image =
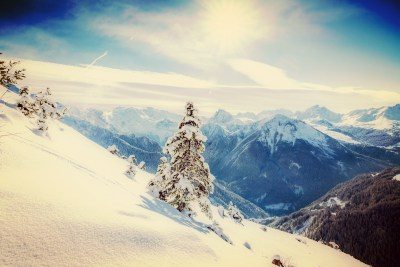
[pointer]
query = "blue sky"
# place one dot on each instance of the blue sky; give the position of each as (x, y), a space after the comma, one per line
(239, 55)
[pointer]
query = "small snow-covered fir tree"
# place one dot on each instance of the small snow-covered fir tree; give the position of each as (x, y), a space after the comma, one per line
(160, 179)
(132, 160)
(235, 213)
(25, 103)
(142, 165)
(113, 149)
(9, 75)
(40, 105)
(131, 171)
(45, 108)
(190, 182)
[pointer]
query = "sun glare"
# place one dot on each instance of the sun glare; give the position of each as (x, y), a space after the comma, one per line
(230, 25)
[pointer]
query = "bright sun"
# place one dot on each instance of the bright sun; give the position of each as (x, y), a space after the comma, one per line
(229, 25)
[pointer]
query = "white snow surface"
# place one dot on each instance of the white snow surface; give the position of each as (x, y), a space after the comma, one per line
(65, 201)
(377, 119)
(396, 177)
(333, 134)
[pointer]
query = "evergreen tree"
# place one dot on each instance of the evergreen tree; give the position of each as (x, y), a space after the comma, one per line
(142, 165)
(132, 159)
(160, 179)
(25, 103)
(235, 213)
(131, 171)
(113, 149)
(190, 182)
(40, 105)
(45, 108)
(9, 75)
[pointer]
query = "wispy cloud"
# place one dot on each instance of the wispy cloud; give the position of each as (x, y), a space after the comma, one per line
(102, 86)
(272, 77)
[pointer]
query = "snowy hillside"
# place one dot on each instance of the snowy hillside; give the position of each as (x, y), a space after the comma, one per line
(66, 201)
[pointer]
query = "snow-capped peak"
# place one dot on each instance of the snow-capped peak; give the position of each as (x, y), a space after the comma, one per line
(283, 129)
(221, 116)
(318, 112)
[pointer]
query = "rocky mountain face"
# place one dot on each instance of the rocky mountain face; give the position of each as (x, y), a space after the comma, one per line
(371, 200)
(283, 164)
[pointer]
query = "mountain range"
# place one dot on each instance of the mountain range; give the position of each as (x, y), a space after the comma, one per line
(278, 160)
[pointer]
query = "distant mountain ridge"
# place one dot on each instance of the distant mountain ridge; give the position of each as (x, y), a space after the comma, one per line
(283, 164)
(279, 163)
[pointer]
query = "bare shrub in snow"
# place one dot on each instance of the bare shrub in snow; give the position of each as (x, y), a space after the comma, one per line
(190, 182)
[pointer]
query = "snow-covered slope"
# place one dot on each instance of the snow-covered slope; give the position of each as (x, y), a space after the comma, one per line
(384, 118)
(65, 201)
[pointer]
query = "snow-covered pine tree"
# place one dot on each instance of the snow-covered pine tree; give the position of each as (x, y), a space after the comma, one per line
(142, 165)
(9, 75)
(190, 183)
(44, 109)
(25, 103)
(235, 213)
(41, 105)
(132, 160)
(113, 149)
(160, 179)
(131, 171)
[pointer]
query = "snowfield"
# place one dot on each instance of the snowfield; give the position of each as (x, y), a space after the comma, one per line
(65, 201)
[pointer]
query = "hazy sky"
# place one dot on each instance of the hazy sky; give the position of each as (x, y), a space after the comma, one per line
(238, 55)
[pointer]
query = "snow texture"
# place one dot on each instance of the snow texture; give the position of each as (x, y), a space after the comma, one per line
(65, 201)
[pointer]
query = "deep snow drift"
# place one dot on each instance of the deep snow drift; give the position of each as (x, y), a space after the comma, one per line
(64, 200)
